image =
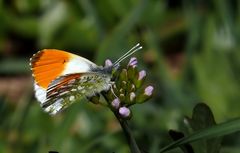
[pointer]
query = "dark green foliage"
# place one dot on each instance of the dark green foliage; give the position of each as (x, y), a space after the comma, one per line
(207, 139)
(176, 135)
(202, 118)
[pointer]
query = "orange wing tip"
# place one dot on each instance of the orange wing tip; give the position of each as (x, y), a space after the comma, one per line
(48, 64)
(34, 56)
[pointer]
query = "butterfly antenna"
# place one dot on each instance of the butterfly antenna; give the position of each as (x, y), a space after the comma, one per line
(127, 54)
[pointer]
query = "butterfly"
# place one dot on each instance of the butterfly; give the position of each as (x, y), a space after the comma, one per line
(61, 77)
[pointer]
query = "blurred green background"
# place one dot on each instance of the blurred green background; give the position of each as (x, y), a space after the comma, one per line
(190, 52)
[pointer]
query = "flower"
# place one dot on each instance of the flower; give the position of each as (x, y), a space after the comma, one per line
(126, 89)
(133, 87)
(145, 95)
(132, 96)
(123, 75)
(133, 62)
(115, 103)
(148, 90)
(108, 63)
(124, 112)
(140, 78)
(122, 97)
(141, 74)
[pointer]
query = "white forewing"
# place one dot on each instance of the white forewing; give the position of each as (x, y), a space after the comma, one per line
(78, 64)
(40, 93)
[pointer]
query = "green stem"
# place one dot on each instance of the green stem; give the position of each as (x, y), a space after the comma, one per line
(126, 130)
(129, 135)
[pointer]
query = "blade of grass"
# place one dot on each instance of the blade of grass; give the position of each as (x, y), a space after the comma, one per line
(214, 131)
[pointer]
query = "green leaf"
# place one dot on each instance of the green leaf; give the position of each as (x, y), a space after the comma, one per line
(176, 135)
(207, 133)
(205, 129)
(202, 117)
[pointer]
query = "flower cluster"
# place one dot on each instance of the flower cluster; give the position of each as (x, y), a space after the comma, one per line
(127, 89)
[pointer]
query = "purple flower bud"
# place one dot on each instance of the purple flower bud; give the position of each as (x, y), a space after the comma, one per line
(141, 75)
(148, 91)
(124, 112)
(132, 96)
(108, 63)
(116, 103)
(133, 62)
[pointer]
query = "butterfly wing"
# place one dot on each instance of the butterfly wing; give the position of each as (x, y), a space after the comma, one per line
(48, 64)
(64, 90)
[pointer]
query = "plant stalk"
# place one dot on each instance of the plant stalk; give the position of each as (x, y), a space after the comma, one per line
(128, 134)
(126, 130)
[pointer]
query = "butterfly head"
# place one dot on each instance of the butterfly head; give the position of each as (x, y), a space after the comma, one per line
(105, 70)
